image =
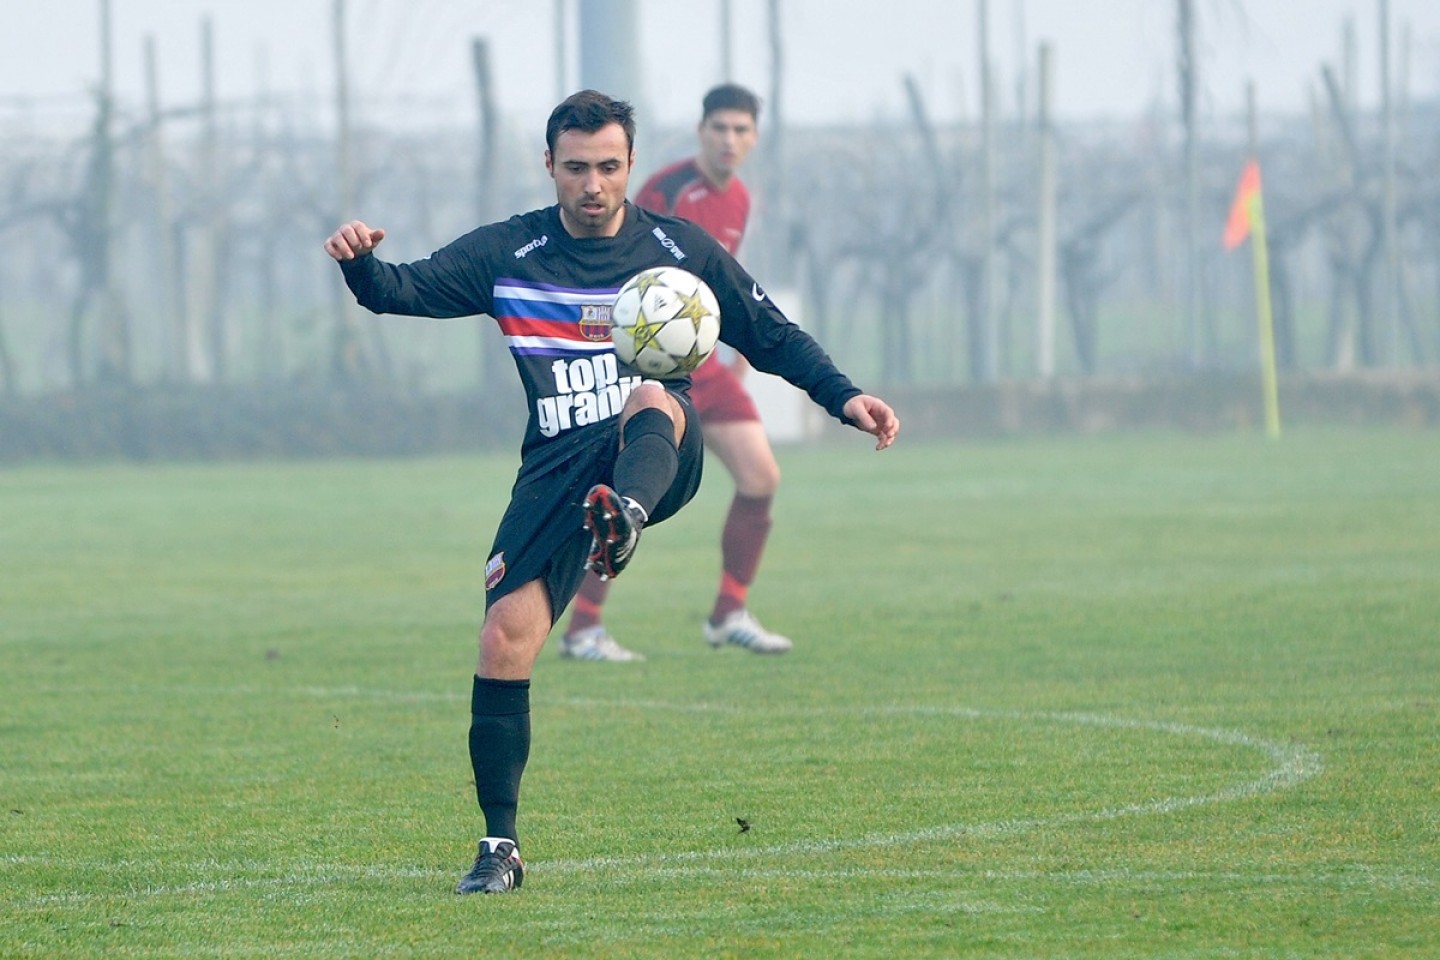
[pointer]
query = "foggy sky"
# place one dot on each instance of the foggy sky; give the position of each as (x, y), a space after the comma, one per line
(844, 61)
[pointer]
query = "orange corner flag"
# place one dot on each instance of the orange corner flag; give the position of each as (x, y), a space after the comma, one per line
(1237, 228)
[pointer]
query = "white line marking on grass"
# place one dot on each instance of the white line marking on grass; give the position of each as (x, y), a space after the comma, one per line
(1293, 764)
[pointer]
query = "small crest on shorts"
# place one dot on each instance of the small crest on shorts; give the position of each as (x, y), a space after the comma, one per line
(595, 321)
(494, 570)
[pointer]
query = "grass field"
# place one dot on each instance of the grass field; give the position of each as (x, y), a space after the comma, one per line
(1141, 696)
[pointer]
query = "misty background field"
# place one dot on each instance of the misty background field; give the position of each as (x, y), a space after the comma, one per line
(984, 217)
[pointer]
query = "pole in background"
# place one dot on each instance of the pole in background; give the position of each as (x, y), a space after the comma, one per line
(727, 43)
(1390, 299)
(347, 356)
(1187, 78)
(114, 327)
(486, 129)
(209, 311)
(610, 55)
(172, 320)
(608, 45)
(1045, 335)
(989, 366)
(562, 55)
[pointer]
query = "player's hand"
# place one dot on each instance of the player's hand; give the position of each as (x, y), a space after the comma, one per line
(352, 240)
(875, 417)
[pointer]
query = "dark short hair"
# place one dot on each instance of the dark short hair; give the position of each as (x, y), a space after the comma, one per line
(731, 96)
(588, 111)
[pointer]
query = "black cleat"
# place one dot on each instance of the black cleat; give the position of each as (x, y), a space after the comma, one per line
(498, 868)
(614, 524)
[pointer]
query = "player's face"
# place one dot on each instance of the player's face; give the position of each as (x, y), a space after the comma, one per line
(592, 173)
(726, 139)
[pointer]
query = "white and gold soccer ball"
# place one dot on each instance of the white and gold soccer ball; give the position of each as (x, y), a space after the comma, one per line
(665, 322)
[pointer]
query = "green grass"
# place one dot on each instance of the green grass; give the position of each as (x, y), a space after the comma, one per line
(1143, 696)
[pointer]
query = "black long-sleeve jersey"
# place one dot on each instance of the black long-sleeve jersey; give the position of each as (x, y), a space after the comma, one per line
(551, 295)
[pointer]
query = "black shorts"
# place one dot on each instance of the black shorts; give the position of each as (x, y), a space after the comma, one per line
(542, 534)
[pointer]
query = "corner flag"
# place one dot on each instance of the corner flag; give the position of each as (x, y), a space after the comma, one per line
(1247, 219)
(1237, 227)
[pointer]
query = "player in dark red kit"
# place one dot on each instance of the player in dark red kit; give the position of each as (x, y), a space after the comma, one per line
(705, 190)
(606, 452)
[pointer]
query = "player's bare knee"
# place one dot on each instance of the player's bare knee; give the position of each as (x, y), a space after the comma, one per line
(752, 463)
(757, 480)
(650, 395)
(505, 655)
(767, 482)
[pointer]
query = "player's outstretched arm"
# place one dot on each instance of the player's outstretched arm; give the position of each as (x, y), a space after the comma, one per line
(874, 416)
(353, 239)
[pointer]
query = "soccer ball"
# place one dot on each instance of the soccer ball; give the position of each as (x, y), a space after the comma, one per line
(666, 321)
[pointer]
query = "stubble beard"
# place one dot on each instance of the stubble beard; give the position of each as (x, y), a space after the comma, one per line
(592, 224)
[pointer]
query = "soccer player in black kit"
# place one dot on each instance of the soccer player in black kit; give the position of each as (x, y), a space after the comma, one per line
(605, 452)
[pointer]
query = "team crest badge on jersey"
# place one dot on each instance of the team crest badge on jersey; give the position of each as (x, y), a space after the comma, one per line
(595, 321)
(495, 570)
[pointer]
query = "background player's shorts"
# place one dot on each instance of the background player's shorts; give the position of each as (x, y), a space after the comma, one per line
(542, 534)
(718, 394)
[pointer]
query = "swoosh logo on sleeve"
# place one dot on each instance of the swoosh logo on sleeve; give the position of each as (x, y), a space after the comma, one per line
(757, 293)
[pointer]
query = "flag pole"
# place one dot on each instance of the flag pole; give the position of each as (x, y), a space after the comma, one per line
(1260, 247)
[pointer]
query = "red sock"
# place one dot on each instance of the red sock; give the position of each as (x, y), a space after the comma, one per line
(747, 527)
(588, 603)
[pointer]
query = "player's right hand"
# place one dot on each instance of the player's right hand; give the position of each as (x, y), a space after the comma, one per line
(352, 240)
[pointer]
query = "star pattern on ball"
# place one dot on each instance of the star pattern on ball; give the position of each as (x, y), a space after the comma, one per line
(644, 332)
(692, 308)
(646, 280)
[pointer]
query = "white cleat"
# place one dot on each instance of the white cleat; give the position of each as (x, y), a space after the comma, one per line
(595, 643)
(743, 630)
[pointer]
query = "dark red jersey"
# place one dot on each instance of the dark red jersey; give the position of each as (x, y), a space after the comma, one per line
(681, 190)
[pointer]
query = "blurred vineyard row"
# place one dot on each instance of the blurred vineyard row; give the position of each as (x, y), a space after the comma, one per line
(151, 248)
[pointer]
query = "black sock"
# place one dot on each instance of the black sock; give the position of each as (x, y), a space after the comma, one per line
(649, 460)
(499, 747)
